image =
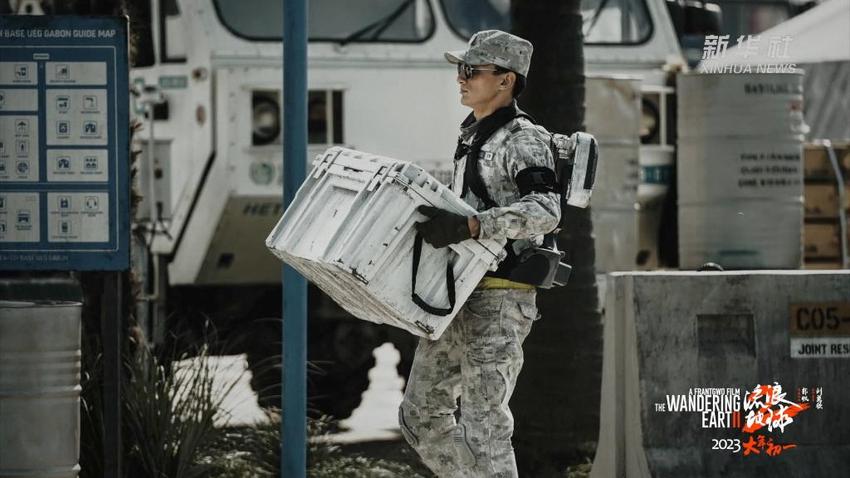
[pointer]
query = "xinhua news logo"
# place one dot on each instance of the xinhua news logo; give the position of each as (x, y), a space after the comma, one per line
(750, 54)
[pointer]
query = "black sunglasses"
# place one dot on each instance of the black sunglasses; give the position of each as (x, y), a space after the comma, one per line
(467, 71)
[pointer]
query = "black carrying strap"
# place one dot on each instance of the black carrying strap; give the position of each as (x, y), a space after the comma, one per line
(472, 180)
(450, 282)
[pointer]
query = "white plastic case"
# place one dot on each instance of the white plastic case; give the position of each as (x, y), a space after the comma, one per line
(350, 230)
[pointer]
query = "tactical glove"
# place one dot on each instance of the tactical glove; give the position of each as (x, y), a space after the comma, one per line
(443, 227)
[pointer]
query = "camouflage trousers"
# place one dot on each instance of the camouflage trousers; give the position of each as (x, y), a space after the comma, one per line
(477, 359)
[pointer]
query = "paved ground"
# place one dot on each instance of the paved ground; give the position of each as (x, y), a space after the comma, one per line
(375, 419)
(371, 431)
(373, 427)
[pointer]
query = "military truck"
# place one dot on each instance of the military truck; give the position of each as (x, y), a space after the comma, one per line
(207, 89)
(207, 82)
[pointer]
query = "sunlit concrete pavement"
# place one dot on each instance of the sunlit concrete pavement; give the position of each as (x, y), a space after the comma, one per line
(374, 420)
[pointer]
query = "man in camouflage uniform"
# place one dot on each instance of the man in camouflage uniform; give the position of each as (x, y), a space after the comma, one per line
(479, 356)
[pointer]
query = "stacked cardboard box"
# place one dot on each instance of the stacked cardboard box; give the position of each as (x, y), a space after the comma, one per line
(822, 230)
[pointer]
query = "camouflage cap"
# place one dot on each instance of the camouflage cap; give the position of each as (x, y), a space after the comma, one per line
(496, 47)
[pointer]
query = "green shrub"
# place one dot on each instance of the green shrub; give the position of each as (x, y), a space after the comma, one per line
(169, 428)
(167, 412)
(169, 416)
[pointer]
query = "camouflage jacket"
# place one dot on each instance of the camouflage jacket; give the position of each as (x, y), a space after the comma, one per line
(516, 146)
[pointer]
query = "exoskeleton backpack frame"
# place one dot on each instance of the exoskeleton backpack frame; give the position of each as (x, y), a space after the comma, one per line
(575, 158)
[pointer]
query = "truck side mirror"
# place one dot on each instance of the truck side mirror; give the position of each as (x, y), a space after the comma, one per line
(695, 18)
(677, 16)
(702, 18)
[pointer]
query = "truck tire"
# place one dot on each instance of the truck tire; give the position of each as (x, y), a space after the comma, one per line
(263, 351)
(339, 355)
(338, 391)
(406, 344)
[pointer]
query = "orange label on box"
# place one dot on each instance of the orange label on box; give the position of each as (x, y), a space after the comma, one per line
(820, 319)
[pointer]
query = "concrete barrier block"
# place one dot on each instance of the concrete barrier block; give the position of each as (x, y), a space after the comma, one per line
(673, 335)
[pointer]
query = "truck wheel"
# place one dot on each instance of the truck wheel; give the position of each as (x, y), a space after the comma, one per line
(340, 354)
(263, 350)
(339, 357)
(406, 345)
(337, 390)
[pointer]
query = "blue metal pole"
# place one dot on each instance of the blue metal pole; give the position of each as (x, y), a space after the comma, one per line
(294, 413)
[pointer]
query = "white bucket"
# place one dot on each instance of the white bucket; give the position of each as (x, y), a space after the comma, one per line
(740, 177)
(615, 233)
(613, 117)
(617, 175)
(656, 175)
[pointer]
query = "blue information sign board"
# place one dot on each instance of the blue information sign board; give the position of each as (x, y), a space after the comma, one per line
(64, 151)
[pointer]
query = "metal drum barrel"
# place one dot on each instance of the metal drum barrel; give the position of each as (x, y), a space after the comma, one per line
(740, 175)
(613, 117)
(39, 389)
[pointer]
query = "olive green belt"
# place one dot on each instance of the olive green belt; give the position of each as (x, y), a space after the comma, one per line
(499, 283)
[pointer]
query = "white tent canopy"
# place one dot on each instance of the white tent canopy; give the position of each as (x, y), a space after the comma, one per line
(819, 35)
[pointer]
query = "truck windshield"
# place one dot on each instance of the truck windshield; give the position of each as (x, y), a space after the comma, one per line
(333, 20)
(615, 22)
(752, 17)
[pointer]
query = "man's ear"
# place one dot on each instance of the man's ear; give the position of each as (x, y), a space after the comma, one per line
(509, 79)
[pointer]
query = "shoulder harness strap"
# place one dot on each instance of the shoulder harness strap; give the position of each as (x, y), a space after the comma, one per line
(471, 176)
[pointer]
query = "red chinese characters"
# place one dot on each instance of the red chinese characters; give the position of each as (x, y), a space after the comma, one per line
(755, 446)
(766, 406)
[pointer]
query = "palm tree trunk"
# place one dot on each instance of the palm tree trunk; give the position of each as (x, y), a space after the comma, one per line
(556, 404)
